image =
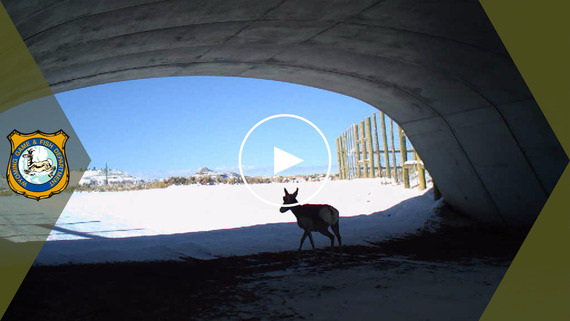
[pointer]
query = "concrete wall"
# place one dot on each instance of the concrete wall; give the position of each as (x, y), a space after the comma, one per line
(438, 68)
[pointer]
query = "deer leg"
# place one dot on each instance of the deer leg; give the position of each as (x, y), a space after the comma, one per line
(331, 237)
(302, 240)
(311, 239)
(312, 243)
(301, 245)
(336, 232)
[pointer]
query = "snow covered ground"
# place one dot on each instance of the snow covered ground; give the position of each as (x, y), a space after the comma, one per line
(209, 221)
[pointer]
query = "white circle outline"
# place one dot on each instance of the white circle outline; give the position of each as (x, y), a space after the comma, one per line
(281, 116)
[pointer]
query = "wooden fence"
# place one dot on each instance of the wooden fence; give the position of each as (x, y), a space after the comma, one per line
(361, 155)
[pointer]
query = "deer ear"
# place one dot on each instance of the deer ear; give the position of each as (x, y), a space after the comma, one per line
(286, 193)
(296, 191)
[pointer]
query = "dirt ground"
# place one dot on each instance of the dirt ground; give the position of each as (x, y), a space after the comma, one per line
(449, 274)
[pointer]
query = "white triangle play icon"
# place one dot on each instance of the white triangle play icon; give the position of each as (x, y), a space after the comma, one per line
(283, 160)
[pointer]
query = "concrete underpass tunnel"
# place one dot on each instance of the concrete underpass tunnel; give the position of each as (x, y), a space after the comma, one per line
(438, 69)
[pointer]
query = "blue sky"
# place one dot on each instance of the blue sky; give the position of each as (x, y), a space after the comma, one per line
(173, 126)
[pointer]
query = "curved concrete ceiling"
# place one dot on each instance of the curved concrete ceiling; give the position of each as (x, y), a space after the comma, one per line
(438, 68)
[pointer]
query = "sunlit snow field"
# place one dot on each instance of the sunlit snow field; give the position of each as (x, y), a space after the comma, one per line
(208, 221)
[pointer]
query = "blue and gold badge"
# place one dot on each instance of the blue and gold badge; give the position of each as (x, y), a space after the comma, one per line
(38, 167)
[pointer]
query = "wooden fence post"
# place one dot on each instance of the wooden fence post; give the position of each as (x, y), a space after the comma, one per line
(404, 157)
(363, 149)
(369, 148)
(345, 150)
(356, 150)
(385, 144)
(377, 145)
(393, 151)
(421, 171)
(341, 166)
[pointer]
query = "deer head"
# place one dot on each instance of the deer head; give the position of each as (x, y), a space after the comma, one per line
(29, 154)
(289, 199)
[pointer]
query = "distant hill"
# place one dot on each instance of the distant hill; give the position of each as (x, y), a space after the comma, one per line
(205, 171)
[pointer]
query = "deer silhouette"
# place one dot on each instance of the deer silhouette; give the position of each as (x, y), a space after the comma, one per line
(314, 217)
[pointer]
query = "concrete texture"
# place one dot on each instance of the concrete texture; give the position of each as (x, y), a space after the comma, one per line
(438, 68)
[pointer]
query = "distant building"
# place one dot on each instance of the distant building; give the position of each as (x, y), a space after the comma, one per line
(98, 177)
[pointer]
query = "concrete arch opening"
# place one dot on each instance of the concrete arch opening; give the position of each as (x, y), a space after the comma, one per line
(437, 68)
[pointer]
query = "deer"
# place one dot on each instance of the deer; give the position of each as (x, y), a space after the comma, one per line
(313, 217)
(38, 167)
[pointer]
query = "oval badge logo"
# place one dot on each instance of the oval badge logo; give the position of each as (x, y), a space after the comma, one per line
(38, 167)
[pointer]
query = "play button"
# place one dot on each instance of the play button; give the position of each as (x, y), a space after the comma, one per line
(283, 160)
(259, 158)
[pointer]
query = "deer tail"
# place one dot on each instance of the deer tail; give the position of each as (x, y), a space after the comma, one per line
(334, 215)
